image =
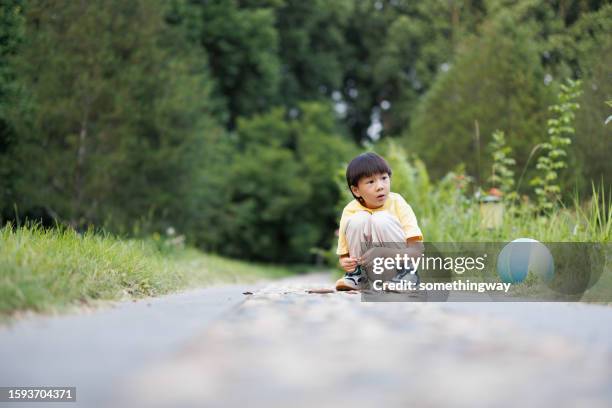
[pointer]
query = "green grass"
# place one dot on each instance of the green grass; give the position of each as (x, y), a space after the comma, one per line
(448, 210)
(457, 219)
(53, 269)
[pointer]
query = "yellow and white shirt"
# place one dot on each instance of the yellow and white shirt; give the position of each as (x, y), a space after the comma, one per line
(395, 204)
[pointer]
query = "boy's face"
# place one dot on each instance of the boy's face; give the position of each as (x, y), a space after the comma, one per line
(373, 189)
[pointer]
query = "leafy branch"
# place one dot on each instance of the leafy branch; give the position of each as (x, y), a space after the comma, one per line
(502, 175)
(553, 159)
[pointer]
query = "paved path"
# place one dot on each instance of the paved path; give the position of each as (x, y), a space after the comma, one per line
(95, 349)
(283, 346)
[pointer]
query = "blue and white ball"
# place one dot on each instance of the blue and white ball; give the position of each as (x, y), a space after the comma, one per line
(522, 256)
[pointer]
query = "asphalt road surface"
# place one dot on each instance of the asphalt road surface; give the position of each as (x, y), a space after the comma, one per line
(284, 346)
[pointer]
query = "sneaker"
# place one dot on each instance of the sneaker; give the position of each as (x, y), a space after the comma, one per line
(409, 275)
(355, 280)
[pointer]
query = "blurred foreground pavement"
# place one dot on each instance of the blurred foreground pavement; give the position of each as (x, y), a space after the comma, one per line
(282, 346)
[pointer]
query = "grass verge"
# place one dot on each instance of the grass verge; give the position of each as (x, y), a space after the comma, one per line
(47, 270)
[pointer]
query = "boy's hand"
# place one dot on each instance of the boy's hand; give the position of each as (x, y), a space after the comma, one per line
(348, 264)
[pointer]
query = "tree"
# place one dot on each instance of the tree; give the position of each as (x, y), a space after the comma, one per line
(589, 44)
(242, 44)
(281, 190)
(11, 36)
(419, 44)
(120, 121)
(496, 81)
(313, 49)
(397, 49)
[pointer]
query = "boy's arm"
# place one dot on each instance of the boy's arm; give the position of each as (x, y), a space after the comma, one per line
(408, 221)
(347, 263)
(415, 247)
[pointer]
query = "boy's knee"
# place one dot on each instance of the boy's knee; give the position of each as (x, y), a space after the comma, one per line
(359, 220)
(383, 218)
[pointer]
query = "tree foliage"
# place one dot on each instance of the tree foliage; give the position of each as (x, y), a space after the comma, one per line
(12, 24)
(496, 82)
(281, 192)
(229, 119)
(118, 121)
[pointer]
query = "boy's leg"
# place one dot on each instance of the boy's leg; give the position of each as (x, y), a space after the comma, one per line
(358, 233)
(387, 233)
(386, 229)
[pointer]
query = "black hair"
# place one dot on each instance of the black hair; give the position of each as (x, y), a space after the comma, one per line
(365, 165)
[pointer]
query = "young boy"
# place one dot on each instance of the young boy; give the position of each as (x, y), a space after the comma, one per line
(375, 216)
